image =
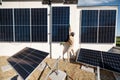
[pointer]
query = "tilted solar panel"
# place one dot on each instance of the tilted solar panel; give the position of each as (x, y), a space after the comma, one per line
(105, 60)
(25, 61)
(111, 61)
(91, 57)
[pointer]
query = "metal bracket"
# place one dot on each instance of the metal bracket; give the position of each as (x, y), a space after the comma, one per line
(98, 73)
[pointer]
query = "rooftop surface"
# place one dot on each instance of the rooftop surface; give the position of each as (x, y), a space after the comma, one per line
(72, 68)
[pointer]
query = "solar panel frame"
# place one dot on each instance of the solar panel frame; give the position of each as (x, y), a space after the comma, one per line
(25, 77)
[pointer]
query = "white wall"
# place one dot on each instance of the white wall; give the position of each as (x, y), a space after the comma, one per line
(8, 49)
(101, 47)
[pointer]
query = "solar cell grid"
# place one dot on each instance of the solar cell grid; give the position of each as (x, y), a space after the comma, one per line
(25, 61)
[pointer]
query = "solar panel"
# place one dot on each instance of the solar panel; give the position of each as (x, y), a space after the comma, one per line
(25, 61)
(6, 17)
(60, 22)
(105, 60)
(98, 26)
(91, 57)
(88, 34)
(106, 34)
(111, 61)
(89, 24)
(6, 25)
(22, 24)
(39, 24)
(107, 23)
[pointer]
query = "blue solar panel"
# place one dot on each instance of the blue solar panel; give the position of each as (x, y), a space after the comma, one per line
(6, 33)
(22, 33)
(107, 18)
(88, 34)
(60, 24)
(91, 57)
(6, 17)
(6, 25)
(39, 33)
(105, 60)
(61, 33)
(89, 24)
(89, 18)
(111, 61)
(106, 35)
(25, 61)
(39, 16)
(107, 23)
(39, 24)
(22, 16)
(98, 26)
(22, 24)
